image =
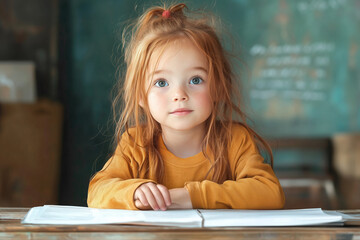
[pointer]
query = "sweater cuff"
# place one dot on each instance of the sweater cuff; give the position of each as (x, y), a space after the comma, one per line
(195, 194)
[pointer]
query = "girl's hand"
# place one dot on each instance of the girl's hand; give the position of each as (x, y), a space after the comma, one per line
(152, 196)
(180, 199)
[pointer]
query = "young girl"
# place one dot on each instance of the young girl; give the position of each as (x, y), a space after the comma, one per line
(180, 147)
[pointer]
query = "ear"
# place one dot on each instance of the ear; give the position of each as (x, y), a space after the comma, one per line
(141, 102)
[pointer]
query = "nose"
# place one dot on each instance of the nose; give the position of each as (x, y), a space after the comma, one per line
(180, 95)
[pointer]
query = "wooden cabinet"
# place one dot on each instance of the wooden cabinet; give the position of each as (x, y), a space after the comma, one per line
(30, 149)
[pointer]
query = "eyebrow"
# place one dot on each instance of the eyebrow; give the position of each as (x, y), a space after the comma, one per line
(189, 69)
(158, 72)
(199, 68)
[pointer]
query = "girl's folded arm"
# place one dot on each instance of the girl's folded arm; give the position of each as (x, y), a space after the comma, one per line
(253, 184)
(115, 184)
(255, 187)
(113, 192)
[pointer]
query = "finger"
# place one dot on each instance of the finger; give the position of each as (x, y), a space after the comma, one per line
(141, 197)
(165, 193)
(158, 196)
(147, 189)
(140, 206)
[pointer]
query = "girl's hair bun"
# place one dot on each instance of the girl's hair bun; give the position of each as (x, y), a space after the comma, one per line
(174, 11)
(166, 14)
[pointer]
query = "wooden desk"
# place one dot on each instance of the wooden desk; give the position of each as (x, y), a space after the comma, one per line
(11, 228)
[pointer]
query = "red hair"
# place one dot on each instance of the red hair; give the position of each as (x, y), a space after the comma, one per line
(154, 31)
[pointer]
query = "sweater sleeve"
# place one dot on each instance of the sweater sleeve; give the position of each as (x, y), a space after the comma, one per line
(254, 184)
(115, 184)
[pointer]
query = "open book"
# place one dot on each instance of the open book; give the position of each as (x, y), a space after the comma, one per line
(71, 215)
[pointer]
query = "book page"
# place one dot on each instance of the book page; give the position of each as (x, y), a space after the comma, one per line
(71, 215)
(267, 218)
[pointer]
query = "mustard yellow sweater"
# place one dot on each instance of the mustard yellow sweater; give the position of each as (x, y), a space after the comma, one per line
(253, 184)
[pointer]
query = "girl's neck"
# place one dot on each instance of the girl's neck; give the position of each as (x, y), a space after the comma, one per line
(184, 144)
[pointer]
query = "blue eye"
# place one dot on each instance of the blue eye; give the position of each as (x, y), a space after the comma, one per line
(196, 80)
(161, 83)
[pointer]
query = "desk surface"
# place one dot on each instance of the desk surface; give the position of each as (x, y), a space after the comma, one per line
(11, 228)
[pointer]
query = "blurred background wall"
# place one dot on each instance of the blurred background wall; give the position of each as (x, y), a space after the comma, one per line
(300, 78)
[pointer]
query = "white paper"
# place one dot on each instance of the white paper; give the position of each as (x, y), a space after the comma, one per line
(267, 218)
(71, 215)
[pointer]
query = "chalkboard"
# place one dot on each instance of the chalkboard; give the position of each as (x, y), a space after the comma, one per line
(302, 77)
(304, 58)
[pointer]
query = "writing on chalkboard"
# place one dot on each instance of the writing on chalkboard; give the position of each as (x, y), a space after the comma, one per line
(320, 5)
(291, 71)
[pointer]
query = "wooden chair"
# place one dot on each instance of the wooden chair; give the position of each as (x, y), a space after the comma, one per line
(305, 178)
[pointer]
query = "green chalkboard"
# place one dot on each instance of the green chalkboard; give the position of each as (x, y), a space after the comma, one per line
(304, 58)
(301, 78)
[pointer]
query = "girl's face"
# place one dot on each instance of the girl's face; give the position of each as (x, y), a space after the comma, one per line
(179, 96)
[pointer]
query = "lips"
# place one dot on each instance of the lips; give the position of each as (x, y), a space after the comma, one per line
(181, 111)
